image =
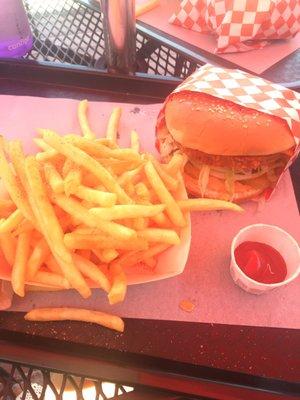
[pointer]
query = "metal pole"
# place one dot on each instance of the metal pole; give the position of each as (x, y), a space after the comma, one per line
(120, 35)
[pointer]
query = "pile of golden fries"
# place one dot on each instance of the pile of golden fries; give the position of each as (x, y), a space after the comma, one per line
(82, 209)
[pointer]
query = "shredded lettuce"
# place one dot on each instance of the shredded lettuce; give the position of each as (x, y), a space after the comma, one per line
(229, 182)
(203, 178)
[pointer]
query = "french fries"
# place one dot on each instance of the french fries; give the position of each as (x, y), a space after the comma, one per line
(38, 256)
(135, 142)
(19, 267)
(53, 178)
(158, 235)
(118, 289)
(176, 163)
(113, 123)
(207, 205)
(75, 314)
(11, 222)
(42, 145)
(99, 197)
(53, 265)
(13, 185)
(172, 208)
(52, 228)
(72, 181)
(91, 271)
(127, 211)
(96, 240)
(107, 255)
(83, 159)
(51, 279)
(73, 207)
(83, 120)
(8, 244)
(83, 211)
(134, 257)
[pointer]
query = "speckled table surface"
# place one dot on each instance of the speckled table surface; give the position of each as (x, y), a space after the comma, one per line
(265, 358)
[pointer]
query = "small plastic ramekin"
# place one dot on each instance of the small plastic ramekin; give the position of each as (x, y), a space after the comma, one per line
(275, 237)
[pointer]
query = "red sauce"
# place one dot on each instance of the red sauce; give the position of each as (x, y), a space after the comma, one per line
(260, 262)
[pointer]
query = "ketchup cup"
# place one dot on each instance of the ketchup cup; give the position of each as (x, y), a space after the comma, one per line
(275, 237)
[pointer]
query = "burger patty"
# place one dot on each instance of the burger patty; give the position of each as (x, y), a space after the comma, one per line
(237, 163)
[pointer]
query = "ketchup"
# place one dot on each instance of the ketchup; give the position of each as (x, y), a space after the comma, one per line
(261, 262)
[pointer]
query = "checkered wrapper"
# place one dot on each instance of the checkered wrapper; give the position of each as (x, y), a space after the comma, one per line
(248, 91)
(240, 25)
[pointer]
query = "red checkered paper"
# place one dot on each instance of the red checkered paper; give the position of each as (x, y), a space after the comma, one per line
(240, 25)
(248, 91)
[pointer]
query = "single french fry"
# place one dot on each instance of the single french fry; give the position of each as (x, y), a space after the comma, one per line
(116, 166)
(107, 255)
(18, 273)
(73, 207)
(91, 271)
(208, 205)
(118, 289)
(127, 211)
(68, 165)
(72, 181)
(107, 142)
(131, 176)
(53, 265)
(83, 159)
(11, 222)
(158, 235)
(17, 157)
(113, 124)
(8, 244)
(96, 240)
(170, 182)
(52, 229)
(160, 219)
(83, 120)
(13, 185)
(48, 155)
(41, 144)
(134, 257)
(104, 199)
(135, 141)
(145, 7)
(37, 258)
(99, 150)
(75, 314)
(176, 164)
(50, 279)
(54, 178)
(172, 209)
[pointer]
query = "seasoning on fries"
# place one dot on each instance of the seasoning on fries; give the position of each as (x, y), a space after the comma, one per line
(82, 211)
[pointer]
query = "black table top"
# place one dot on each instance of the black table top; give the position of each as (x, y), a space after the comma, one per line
(238, 354)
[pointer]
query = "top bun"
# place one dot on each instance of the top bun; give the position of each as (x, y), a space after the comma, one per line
(220, 127)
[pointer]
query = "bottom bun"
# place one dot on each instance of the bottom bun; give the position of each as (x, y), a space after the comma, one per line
(216, 188)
